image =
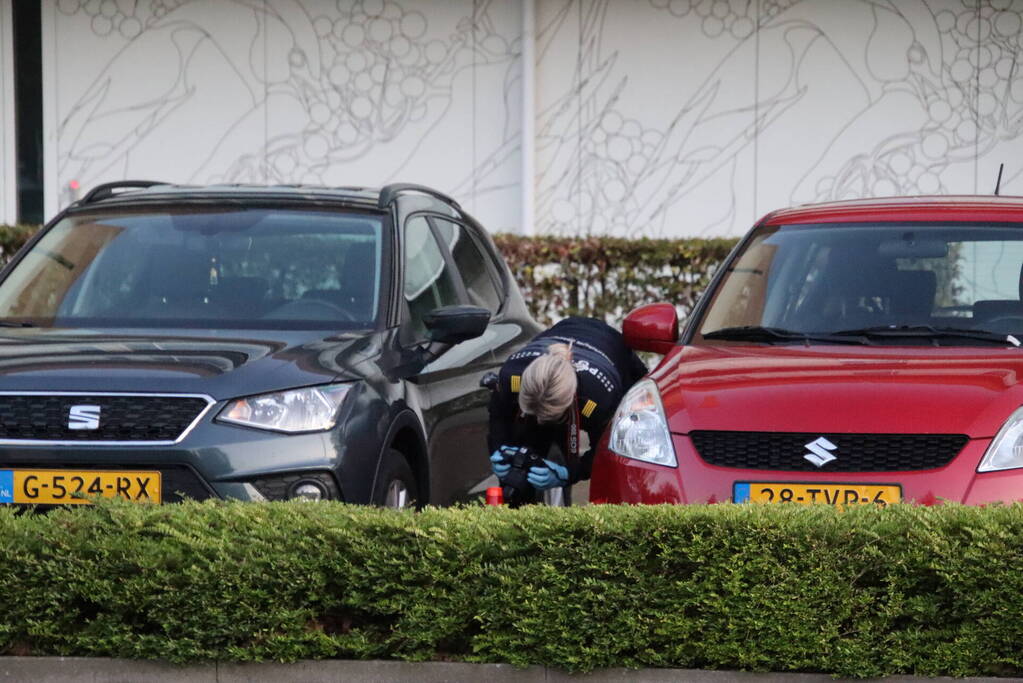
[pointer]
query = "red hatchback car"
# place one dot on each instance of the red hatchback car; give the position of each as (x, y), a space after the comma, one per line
(854, 352)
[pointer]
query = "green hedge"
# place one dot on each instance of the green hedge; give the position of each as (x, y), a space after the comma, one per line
(609, 276)
(866, 592)
(12, 237)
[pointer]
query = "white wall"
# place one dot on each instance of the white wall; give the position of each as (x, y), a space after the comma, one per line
(321, 91)
(652, 117)
(694, 117)
(8, 166)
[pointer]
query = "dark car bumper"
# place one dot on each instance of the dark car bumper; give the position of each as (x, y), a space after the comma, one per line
(213, 461)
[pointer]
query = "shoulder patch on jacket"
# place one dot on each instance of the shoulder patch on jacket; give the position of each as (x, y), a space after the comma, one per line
(588, 408)
(516, 382)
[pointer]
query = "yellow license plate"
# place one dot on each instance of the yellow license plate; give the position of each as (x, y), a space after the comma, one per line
(61, 487)
(807, 494)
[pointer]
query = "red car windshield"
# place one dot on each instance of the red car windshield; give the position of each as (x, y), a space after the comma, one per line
(911, 281)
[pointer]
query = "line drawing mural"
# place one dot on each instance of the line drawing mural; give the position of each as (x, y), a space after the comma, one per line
(346, 92)
(929, 100)
(654, 117)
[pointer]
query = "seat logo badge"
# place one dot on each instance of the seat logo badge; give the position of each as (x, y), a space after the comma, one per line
(820, 452)
(83, 417)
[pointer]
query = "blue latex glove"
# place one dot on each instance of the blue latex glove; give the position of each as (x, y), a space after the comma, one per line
(549, 477)
(498, 464)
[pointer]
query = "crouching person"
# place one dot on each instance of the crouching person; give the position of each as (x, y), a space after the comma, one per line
(566, 380)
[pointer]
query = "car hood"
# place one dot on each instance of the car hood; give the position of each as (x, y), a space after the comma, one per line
(221, 364)
(830, 389)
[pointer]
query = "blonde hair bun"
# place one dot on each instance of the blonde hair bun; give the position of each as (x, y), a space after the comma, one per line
(549, 384)
(560, 350)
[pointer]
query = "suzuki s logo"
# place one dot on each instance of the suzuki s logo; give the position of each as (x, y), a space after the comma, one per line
(820, 452)
(83, 417)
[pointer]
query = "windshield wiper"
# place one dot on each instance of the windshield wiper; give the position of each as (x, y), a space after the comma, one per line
(16, 323)
(771, 335)
(930, 332)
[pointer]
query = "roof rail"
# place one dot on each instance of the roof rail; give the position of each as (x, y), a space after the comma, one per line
(389, 192)
(107, 190)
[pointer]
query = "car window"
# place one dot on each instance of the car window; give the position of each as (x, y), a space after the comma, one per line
(839, 277)
(428, 279)
(472, 266)
(258, 268)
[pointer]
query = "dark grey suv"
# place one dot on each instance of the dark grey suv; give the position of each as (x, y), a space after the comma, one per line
(259, 343)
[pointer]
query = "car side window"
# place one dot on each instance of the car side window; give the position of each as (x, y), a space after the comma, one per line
(471, 262)
(429, 283)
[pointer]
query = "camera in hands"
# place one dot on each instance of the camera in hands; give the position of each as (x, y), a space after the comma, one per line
(517, 489)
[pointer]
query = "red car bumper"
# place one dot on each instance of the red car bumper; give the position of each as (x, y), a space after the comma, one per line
(622, 480)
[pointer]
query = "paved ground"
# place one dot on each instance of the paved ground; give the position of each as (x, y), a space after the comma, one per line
(100, 670)
(581, 493)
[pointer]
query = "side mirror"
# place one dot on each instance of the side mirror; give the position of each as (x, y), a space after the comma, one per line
(454, 324)
(653, 327)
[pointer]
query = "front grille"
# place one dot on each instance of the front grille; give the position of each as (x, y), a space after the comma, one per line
(853, 452)
(121, 417)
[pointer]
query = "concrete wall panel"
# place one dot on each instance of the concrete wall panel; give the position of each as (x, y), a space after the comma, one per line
(360, 92)
(652, 117)
(643, 136)
(885, 97)
(744, 107)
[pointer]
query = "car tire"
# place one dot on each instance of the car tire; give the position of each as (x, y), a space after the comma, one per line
(396, 485)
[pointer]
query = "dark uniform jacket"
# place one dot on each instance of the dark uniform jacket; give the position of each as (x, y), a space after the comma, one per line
(605, 369)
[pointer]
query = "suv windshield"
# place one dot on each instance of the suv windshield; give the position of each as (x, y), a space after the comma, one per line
(201, 268)
(879, 283)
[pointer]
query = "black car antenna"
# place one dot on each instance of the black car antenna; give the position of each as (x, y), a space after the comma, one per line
(998, 183)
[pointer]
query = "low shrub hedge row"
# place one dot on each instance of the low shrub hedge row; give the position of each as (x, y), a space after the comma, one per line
(865, 592)
(12, 238)
(609, 276)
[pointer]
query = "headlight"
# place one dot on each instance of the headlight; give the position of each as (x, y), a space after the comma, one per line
(313, 409)
(1006, 450)
(639, 429)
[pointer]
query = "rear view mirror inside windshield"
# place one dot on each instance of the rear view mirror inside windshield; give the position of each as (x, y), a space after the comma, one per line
(910, 246)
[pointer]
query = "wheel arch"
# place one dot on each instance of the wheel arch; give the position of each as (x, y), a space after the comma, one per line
(406, 436)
